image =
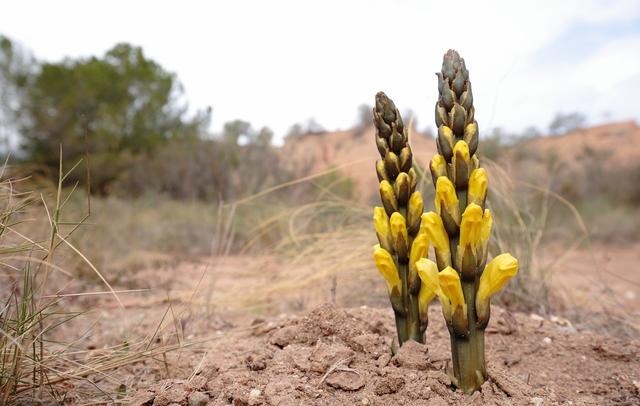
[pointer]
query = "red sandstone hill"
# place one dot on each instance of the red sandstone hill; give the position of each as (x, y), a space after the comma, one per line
(354, 151)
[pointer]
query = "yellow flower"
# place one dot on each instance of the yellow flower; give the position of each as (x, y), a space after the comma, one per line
(449, 282)
(419, 249)
(471, 227)
(425, 297)
(485, 233)
(428, 273)
(386, 266)
(432, 225)
(461, 151)
(496, 275)
(438, 166)
(414, 211)
(446, 197)
(478, 186)
(388, 197)
(461, 164)
(399, 237)
(381, 224)
(445, 141)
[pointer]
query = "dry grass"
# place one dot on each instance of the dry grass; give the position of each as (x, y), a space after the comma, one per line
(61, 325)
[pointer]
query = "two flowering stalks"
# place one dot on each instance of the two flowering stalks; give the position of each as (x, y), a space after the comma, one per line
(459, 229)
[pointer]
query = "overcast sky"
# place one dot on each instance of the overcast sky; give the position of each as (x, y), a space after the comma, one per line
(275, 63)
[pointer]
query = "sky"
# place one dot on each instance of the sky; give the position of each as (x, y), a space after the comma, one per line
(275, 63)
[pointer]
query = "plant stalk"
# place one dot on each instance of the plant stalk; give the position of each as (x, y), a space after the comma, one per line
(468, 351)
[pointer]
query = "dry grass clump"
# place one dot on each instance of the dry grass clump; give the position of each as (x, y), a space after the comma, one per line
(37, 361)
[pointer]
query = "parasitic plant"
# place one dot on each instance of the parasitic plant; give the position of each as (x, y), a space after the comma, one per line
(458, 230)
(397, 223)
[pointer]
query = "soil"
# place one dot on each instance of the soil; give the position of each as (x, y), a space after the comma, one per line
(336, 356)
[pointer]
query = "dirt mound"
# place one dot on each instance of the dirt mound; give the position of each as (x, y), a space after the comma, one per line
(342, 357)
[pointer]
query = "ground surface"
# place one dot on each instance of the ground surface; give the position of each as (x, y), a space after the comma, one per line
(225, 331)
(338, 357)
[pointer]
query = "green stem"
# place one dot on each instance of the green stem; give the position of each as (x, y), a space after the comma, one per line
(414, 329)
(401, 328)
(468, 351)
(408, 320)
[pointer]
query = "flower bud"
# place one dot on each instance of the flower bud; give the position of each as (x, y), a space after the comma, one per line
(452, 289)
(438, 167)
(392, 164)
(381, 171)
(471, 136)
(383, 146)
(441, 115)
(478, 187)
(381, 224)
(432, 226)
(413, 180)
(448, 97)
(414, 212)
(446, 203)
(419, 249)
(386, 267)
(402, 188)
(466, 99)
(458, 82)
(457, 119)
(406, 159)
(461, 164)
(388, 197)
(445, 142)
(399, 237)
(396, 141)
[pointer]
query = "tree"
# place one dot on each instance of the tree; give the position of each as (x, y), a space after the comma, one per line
(564, 123)
(15, 70)
(110, 108)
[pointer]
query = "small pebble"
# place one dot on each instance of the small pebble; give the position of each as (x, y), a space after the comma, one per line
(537, 401)
(546, 340)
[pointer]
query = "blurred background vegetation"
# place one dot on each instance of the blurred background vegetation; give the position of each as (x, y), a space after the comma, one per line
(122, 123)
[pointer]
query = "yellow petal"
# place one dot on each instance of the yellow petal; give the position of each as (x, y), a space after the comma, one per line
(452, 288)
(424, 298)
(485, 233)
(496, 275)
(478, 186)
(428, 273)
(399, 236)
(386, 266)
(461, 151)
(471, 226)
(419, 249)
(388, 197)
(438, 166)
(446, 197)
(414, 210)
(433, 227)
(381, 221)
